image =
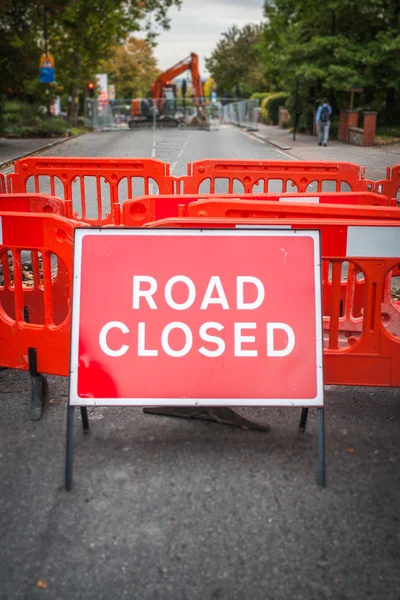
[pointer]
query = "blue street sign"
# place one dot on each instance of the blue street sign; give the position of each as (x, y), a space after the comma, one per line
(46, 75)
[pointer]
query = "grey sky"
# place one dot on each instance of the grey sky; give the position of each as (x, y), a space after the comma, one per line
(197, 26)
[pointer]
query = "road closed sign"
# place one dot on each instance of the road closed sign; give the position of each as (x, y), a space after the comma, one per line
(196, 318)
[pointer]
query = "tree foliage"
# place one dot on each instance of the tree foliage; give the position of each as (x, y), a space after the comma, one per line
(327, 48)
(81, 34)
(133, 68)
(236, 61)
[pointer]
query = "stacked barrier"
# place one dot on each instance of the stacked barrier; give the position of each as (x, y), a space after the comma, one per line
(256, 176)
(108, 181)
(360, 232)
(391, 185)
(3, 187)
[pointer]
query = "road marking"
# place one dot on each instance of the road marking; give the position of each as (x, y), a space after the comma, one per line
(284, 154)
(153, 152)
(253, 137)
(173, 166)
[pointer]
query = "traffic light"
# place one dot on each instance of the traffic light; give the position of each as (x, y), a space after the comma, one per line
(91, 89)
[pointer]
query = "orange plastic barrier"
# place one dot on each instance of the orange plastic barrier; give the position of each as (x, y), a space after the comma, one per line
(91, 188)
(35, 290)
(31, 203)
(361, 319)
(299, 210)
(144, 209)
(391, 185)
(140, 211)
(258, 176)
(3, 187)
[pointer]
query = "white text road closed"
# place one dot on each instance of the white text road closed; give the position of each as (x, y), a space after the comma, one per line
(197, 318)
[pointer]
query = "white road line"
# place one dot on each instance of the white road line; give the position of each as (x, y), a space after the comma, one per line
(284, 154)
(173, 166)
(253, 137)
(153, 152)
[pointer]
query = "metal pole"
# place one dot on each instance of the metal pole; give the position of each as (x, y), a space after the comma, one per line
(303, 419)
(70, 448)
(296, 101)
(321, 448)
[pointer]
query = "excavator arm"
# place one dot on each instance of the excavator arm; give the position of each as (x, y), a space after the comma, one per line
(191, 63)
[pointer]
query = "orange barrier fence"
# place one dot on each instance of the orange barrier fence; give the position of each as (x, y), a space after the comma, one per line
(3, 187)
(91, 188)
(35, 290)
(258, 176)
(142, 210)
(361, 318)
(391, 185)
(31, 203)
(138, 212)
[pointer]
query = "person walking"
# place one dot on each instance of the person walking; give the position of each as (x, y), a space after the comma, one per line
(323, 122)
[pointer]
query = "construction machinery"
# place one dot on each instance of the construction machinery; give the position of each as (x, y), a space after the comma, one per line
(161, 107)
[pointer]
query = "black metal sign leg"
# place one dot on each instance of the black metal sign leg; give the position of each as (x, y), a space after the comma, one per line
(85, 419)
(303, 419)
(39, 386)
(321, 448)
(70, 448)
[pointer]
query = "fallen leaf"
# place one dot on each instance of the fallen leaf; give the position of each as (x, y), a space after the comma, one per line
(51, 401)
(350, 449)
(156, 456)
(42, 585)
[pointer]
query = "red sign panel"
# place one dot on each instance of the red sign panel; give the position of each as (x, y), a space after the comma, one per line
(192, 317)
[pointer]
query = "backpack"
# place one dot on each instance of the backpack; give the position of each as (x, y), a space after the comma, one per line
(324, 116)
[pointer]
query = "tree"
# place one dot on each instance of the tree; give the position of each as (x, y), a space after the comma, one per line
(329, 47)
(236, 60)
(86, 33)
(21, 26)
(81, 33)
(133, 68)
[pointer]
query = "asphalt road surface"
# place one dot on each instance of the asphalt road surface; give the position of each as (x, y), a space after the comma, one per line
(176, 509)
(176, 146)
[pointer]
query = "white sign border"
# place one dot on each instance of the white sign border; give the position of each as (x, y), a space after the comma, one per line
(75, 400)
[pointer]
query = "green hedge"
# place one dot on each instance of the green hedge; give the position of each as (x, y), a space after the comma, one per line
(22, 120)
(270, 107)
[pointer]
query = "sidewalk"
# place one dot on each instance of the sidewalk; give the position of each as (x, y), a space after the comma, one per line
(375, 158)
(12, 149)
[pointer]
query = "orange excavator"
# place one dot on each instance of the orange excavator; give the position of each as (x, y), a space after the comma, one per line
(160, 107)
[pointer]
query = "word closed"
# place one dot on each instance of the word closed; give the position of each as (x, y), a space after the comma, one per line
(196, 317)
